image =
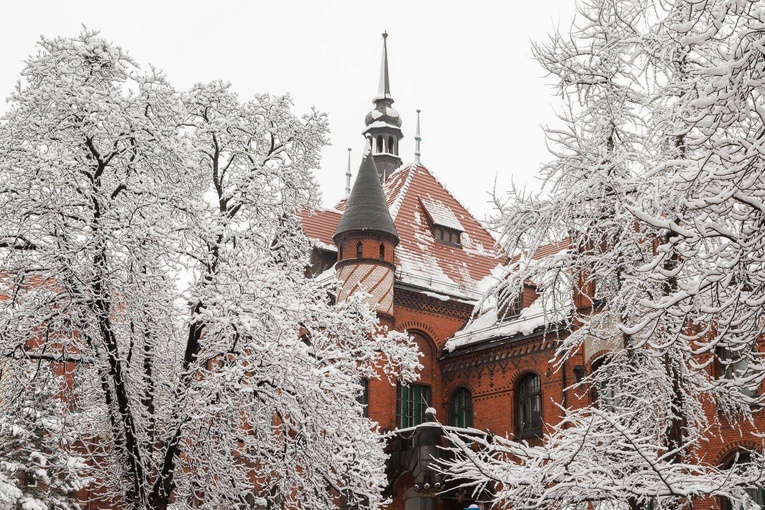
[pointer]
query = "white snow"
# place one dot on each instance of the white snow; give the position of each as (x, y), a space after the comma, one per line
(552, 306)
(437, 296)
(396, 205)
(324, 246)
(441, 215)
(326, 276)
(423, 270)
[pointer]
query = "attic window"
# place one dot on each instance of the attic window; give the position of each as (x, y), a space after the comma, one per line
(446, 235)
(510, 303)
(445, 226)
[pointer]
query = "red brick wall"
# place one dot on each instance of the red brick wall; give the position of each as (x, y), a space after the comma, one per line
(370, 243)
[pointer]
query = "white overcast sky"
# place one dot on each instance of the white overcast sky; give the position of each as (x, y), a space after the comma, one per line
(466, 65)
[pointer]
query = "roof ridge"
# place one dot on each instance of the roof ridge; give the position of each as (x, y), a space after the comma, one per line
(396, 205)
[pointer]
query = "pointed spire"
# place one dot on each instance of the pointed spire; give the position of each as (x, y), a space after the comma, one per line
(384, 123)
(417, 139)
(348, 175)
(367, 209)
(383, 91)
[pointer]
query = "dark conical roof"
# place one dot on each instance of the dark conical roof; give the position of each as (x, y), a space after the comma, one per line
(367, 208)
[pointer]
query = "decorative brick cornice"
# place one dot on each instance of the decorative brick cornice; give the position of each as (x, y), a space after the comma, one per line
(502, 360)
(426, 304)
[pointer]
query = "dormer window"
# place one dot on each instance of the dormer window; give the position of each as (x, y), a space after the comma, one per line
(445, 226)
(510, 303)
(446, 235)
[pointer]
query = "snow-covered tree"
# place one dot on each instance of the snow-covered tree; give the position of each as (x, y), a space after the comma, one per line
(150, 238)
(657, 184)
(39, 466)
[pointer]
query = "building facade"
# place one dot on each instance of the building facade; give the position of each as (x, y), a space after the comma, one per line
(425, 262)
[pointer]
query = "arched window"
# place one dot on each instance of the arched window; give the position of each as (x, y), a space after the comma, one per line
(740, 461)
(359, 250)
(382, 251)
(528, 406)
(462, 409)
(341, 253)
(363, 397)
(391, 146)
(606, 390)
(379, 143)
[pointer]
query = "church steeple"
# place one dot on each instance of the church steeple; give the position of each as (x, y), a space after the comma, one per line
(384, 123)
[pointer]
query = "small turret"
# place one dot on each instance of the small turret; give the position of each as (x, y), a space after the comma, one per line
(366, 238)
(384, 123)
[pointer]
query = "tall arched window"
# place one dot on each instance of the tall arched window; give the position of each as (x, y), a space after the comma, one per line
(528, 406)
(382, 251)
(462, 409)
(391, 146)
(379, 143)
(359, 250)
(363, 397)
(606, 388)
(341, 253)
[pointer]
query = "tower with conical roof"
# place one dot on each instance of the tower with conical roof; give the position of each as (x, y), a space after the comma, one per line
(383, 124)
(365, 238)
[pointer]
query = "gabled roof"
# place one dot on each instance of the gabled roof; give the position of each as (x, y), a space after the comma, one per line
(420, 260)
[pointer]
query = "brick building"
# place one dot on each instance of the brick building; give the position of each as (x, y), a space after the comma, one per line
(425, 261)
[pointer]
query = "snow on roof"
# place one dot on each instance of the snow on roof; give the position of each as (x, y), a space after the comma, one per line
(320, 224)
(326, 277)
(381, 123)
(421, 261)
(552, 306)
(400, 193)
(324, 246)
(488, 326)
(441, 215)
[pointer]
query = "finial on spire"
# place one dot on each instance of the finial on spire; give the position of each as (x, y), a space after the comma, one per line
(383, 92)
(383, 124)
(417, 139)
(348, 175)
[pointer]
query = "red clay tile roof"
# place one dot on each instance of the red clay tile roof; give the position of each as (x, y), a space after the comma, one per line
(320, 224)
(420, 259)
(547, 249)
